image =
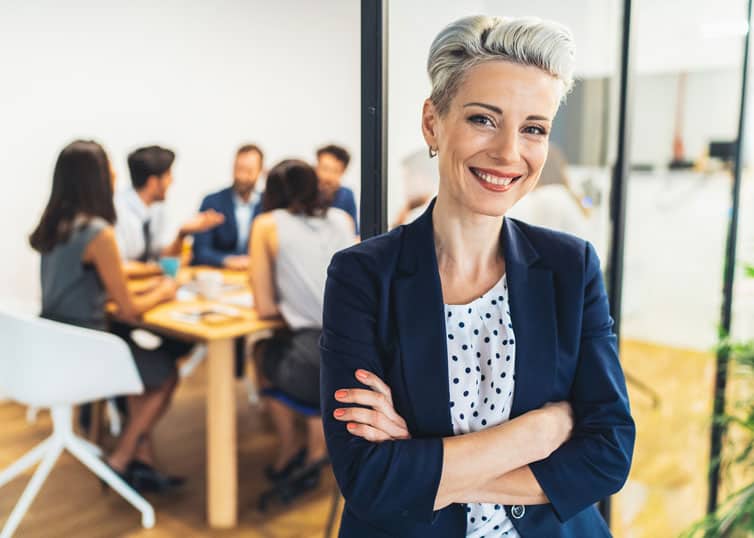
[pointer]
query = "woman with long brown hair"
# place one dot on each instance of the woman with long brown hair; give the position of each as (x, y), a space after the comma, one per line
(80, 269)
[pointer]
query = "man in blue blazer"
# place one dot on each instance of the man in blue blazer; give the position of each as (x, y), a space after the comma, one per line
(332, 162)
(384, 313)
(228, 244)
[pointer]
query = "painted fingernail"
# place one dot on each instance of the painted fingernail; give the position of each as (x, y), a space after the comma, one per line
(341, 394)
(361, 374)
(351, 426)
(339, 412)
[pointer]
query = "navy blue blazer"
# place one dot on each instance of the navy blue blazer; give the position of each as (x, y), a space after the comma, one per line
(211, 247)
(384, 312)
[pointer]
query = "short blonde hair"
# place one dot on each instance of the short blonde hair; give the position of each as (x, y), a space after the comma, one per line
(470, 41)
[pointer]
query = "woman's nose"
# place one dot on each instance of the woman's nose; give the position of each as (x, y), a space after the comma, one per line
(506, 146)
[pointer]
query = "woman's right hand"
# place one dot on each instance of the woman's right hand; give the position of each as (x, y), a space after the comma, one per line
(554, 423)
(375, 419)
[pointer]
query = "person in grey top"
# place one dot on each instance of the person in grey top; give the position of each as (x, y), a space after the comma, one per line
(71, 291)
(291, 246)
(80, 268)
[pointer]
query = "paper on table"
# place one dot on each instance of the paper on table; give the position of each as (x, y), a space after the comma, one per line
(216, 313)
(245, 300)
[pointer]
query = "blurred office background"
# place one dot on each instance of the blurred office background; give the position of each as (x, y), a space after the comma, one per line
(203, 77)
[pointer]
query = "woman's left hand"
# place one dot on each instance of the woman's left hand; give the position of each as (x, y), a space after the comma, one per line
(377, 421)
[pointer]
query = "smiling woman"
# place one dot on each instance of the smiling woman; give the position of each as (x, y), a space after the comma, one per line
(494, 135)
(470, 378)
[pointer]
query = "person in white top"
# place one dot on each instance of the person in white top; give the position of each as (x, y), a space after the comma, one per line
(291, 246)
(140, 228)
(141, 238)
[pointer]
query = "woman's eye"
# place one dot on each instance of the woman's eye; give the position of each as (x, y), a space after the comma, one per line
(535, 130)
(481, 120)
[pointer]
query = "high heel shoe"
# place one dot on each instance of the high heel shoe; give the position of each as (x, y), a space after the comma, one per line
(148, 479)
(297, 483)
(294, 463)
(125, 476)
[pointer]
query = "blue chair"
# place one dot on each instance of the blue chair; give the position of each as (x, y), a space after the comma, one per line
(290, 401)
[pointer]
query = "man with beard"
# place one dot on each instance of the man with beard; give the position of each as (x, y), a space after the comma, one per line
(228, 244)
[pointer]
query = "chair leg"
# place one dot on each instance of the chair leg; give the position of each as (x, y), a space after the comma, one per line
(113, 417)
(91, 447)
(54, 449)
(98, 467)
(24, 462)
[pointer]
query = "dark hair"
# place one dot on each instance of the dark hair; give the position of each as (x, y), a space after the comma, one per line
(338, 152)
(246, 148)
(292, 184)
(81, 185)
(148, 161)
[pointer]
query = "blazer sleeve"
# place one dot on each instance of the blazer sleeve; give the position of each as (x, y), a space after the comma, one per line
(204, 252)
(378, 480)
(595, 462)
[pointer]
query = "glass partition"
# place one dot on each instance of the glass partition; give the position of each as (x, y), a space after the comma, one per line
(685, 116)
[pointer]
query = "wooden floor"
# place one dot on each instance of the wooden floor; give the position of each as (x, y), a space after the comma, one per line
(71, 502)
(666, 490)
(667, 487)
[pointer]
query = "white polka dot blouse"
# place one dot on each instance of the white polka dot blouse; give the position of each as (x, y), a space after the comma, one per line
(481, 367)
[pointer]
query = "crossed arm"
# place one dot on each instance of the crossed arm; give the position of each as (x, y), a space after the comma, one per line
(532, 459)
(525, 439)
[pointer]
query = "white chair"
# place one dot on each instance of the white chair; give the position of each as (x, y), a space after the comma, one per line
(57, 366)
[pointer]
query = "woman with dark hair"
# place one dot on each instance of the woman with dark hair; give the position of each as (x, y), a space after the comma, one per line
(291, 245)
(80, 268)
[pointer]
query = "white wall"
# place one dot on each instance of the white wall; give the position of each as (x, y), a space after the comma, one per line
(710, 113)
(412, 26)
(199, 77)
(688, 35)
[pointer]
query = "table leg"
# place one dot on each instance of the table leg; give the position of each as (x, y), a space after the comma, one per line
(222, 468)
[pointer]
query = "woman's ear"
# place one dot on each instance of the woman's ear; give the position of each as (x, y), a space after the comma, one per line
(429, 123)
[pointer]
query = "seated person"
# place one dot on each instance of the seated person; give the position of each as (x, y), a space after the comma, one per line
(228, 245)
(332, 162)
(140, 228)
(81, 266)
(291, 246)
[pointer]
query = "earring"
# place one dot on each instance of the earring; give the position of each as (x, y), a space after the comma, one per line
(432, 152)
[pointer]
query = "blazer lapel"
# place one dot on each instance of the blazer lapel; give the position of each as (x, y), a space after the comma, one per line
(420, 317)
(532, 305)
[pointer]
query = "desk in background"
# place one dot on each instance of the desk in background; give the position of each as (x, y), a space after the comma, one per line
(222, 466)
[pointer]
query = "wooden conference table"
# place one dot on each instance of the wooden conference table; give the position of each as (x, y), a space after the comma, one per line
(219, 335)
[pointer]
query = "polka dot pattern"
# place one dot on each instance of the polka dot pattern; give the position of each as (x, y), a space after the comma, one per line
(481, 364)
